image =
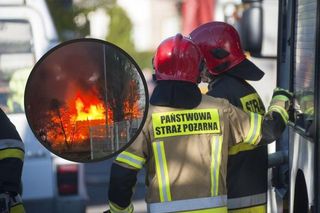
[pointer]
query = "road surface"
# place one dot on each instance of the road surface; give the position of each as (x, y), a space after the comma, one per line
(97, 180)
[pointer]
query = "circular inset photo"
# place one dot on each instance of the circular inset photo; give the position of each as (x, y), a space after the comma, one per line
(86, 100)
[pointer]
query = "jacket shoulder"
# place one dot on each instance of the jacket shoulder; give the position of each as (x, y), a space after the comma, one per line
(210, 101)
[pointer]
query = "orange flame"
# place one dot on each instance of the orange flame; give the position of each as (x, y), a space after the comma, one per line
(132, 110)
(89, 112)
(72, 121)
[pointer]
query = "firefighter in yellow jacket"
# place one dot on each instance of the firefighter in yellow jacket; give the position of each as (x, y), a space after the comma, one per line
(184, 142)
(11, 162)
(228, 72)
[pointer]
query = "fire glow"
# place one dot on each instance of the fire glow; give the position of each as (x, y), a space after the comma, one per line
(91, 112)
(72, 121)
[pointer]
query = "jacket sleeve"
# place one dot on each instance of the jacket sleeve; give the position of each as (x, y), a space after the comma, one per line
(124, 172)
(122, 182)
(244, 127)
(272, 127)
(250, 128)
(11, 156)
(277, 117)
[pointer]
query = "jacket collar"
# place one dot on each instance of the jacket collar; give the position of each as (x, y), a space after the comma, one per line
(176, 94)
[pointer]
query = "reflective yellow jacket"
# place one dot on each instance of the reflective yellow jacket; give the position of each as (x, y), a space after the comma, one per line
(185, 154)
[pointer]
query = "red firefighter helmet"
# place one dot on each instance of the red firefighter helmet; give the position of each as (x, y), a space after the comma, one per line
(220, 45)
(177, 58)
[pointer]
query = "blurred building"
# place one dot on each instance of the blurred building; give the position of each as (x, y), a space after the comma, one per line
(155, 20)
(152, 21)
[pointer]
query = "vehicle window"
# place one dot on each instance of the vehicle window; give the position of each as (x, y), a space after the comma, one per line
(16, 61)
(304, 63)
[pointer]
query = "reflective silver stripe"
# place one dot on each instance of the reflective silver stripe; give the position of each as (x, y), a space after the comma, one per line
(164, 185)
(255, 116)
(216, 158)
(252, 200)
(11, 143)
(116, 209)
(188, 205)
(255, 128)
(163, 178)
(131, 159)
(283, 113)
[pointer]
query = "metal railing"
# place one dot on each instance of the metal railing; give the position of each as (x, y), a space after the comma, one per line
(105, 140)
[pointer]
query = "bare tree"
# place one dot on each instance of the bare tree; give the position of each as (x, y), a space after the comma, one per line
(56, 106)
(120, 71)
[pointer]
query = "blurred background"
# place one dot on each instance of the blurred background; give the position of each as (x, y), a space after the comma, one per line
(139, 26)
(29, 28)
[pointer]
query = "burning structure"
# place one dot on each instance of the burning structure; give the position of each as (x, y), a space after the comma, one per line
(90, 100)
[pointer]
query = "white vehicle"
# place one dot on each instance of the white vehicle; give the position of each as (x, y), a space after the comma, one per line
(50, 184)
(298, 62)
(296, 176)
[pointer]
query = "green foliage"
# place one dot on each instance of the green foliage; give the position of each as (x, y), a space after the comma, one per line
(120, 29)
(120, 26)
(63, 15)
(143, 59)
(120, 34)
